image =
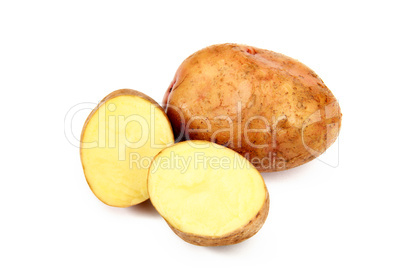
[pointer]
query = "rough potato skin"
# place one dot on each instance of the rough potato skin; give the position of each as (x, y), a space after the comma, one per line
(222, 92)
(237, 236)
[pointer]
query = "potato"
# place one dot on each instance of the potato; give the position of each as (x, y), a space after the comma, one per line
(208, 194)
(270, 108)
(118, 141)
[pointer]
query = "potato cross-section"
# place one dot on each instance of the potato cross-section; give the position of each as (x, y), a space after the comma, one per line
(208, 194)
(119, 139)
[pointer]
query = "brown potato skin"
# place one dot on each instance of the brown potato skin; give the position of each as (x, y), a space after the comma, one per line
(237, 236)
(300, 115)
(114, 94)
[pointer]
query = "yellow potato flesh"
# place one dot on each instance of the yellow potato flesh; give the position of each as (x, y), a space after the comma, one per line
(123, 129)
(212, 192)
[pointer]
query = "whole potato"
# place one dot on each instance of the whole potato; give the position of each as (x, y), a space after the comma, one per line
(270, 108)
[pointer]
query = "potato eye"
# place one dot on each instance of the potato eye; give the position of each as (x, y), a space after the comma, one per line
(251, 50)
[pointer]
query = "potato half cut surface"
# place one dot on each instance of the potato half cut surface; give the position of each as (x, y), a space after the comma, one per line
(208, 194)
(118, 142)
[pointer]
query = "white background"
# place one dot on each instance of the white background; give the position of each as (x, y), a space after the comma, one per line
(54, 55)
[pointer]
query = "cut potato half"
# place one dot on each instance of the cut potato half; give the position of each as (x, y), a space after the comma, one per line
(208, 194)
(118, 142)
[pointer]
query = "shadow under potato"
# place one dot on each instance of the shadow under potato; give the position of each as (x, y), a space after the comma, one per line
(145, 209)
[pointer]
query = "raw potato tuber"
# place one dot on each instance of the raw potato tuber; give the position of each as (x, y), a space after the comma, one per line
(126, 126)
(270, 108)
(208, 194)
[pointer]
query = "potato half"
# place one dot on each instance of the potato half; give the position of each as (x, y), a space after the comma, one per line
(270, 108)
(118, 141)
(208, 194)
